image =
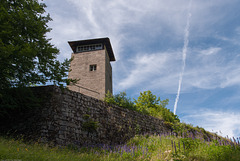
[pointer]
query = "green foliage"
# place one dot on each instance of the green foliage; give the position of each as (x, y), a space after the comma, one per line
(138, 148)
(189, 143)
(16, 105)
(109, 98)
(120, 99)
(182, 128)
(26, 56)
(147, 103)
(89, 125)
(185, 130)
(222, 153)
(147, 100)
(123, 100)
(168, 116)
(137, 128)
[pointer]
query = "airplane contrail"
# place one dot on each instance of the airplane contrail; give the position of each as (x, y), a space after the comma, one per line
(184, 55)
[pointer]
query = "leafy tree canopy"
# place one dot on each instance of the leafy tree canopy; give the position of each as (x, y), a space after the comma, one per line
(120, 99)
(150, 104)
(146, 103)
(149, 100)
(26, 55)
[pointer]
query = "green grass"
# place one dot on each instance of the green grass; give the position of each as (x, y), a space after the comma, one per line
(138, 148)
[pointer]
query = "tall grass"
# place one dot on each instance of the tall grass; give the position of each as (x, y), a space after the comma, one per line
(138, 148)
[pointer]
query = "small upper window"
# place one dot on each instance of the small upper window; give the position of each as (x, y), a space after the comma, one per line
(98, 46)
(89, 47)
(93, 67)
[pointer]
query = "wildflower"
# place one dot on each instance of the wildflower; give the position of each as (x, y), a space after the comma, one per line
(26, 149)
(17, 149)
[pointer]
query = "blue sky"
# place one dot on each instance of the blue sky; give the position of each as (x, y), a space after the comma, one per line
(148, 39)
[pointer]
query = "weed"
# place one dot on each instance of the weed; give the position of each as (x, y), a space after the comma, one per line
(140, 147)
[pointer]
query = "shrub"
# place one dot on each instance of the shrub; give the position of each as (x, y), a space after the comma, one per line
(16, 106)
(147, 103)
(151, 104)
(120, 99)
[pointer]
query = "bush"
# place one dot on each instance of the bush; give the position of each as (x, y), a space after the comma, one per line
(120, 99)
(16, 106)
(147, 103)
(151, 104)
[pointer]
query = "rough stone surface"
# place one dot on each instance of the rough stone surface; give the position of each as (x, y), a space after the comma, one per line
(91, 83)
(66, 113)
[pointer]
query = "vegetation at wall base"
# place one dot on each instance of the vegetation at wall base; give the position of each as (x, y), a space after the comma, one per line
(185, 142)
(16, 108)
(147, 148)
(89, 125)
(21, 111)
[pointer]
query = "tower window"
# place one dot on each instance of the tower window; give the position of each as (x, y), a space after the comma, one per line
(93, 67)
(89, 47)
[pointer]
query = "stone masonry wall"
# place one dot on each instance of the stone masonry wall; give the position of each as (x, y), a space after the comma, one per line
(69, 118)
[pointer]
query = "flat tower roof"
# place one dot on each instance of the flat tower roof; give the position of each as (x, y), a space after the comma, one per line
(105, 41)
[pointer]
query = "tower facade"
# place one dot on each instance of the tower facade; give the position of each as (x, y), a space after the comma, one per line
(91, 67)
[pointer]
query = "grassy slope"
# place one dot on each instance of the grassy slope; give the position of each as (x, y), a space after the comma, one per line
(138, 148)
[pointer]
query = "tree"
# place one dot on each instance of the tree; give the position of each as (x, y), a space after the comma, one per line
(147, 100)
(26, 55)
(151, 104)
(120, 99)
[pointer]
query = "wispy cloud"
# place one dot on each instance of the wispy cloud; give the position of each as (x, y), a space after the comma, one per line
(213, 71)
(210, 51)
(80, 19)
(231, 40)
(161, 71)
(223, 122)
(238, 30)
(136, 25)
(147, 40)
(145, 67)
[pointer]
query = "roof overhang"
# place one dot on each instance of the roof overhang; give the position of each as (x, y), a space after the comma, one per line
(104, 41)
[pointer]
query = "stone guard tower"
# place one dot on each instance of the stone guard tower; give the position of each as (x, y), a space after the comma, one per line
(91, 65)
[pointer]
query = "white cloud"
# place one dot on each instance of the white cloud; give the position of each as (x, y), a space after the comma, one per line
(231, 77)
(208, 70)
(126, 22)
(161, 71)
(136, 23)
(148, 69)
(232, 40)
(223, 122)
(238, 30)
(210, 51)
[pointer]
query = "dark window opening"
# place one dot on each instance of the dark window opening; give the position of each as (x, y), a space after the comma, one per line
(89, 47)
(93, 67)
